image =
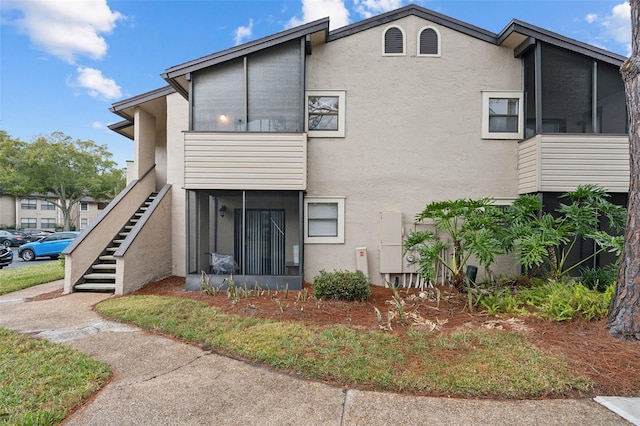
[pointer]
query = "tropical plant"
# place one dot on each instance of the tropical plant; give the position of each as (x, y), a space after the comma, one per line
(472, 228)
(546, 239)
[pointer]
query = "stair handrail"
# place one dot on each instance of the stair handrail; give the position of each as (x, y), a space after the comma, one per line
(112, 205)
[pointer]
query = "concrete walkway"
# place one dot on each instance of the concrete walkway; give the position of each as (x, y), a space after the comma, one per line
(158, 381)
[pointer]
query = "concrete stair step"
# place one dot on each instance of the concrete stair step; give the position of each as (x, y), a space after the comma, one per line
(100, 276)
(104, 266)
(107, 258)
(96, 287)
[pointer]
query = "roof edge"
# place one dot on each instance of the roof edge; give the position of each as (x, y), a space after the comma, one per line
(521, 27)
(243, 49)
(419, 11)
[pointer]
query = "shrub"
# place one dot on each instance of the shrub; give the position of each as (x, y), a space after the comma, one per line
(599, 278)
(344, 285)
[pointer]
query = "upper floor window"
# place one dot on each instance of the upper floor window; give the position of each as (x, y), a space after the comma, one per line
(47, 205)
(259, 92)
(502, 114)
(84, 207)
(428, 42)
(325, 113)
(393, 42)
(28, 204)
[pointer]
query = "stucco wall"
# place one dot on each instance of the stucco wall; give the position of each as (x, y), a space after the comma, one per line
(177, 122)
(413, 133)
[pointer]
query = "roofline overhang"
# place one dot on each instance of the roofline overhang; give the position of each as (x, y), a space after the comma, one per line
(414, 10)
(244, 49)
(537, 33)
(120, 126)
(120, 106)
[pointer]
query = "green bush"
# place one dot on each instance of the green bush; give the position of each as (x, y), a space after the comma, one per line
(343, 285)
(599, 278)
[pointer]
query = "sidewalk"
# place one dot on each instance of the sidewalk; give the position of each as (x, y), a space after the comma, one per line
(163, 382)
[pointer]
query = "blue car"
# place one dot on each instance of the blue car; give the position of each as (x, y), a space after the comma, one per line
(50, 246)
(6, 256)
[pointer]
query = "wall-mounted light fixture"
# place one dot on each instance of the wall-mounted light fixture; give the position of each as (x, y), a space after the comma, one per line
(222, 210)
(223, 118)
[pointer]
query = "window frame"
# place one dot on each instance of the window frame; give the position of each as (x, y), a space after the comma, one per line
(47, 205)
(502, 94)
(418, 45)
(28, 223)
(404, 41)
(340, 132)
(28, 204)
(45, 223)
(84, 207)
(339, 238)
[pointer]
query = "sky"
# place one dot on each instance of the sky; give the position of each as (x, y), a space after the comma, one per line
(63, 63)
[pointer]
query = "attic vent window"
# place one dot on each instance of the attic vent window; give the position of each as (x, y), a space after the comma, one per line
(428, 42)
(393, 42)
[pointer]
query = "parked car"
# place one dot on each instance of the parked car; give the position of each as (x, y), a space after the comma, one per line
(6, 256)
(50, 246)
(36, 234)
(11, 237)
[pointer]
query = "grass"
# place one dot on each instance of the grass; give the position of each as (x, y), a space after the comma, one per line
(42, 382)
(480, 363)
(15, 279)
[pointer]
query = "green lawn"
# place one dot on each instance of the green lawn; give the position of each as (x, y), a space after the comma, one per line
(42, 382)
(18, 278)
(479, 363)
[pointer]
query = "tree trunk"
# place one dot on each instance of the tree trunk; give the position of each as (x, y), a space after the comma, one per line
(624, 317)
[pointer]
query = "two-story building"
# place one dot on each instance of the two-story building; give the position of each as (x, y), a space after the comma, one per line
(42, 213)
(313, 149)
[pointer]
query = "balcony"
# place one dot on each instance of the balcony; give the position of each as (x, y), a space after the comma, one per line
(245, 161)
(560, 163)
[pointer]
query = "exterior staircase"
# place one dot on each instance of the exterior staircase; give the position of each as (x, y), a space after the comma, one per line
(101, 276)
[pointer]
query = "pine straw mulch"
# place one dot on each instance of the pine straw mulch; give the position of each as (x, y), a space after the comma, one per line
(612, 365)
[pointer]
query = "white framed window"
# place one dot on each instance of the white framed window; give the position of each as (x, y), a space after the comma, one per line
(325, 113)
(393, 41)
(48, 223)
(324, 220)
(429, 42)
(84, 207)
(502, 115)
(28, 204)
(28, 223)
(84, 222)
(47, 205)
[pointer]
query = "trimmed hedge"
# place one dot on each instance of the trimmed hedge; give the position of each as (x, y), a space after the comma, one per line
(343, 285)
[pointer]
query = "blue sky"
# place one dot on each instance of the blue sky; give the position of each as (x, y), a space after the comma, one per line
(64, 62)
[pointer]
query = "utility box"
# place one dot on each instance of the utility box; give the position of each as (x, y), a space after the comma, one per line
(390, 242)
(362, 264)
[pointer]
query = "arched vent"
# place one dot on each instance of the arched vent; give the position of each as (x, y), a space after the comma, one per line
(393, 41)
(429, 42)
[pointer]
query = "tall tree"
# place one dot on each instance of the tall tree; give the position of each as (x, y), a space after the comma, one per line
(59, 169)
(624, 318)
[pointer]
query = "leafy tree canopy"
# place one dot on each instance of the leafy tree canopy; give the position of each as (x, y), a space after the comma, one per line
(57, 166)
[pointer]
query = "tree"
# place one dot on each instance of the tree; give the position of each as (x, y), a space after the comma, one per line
(58, 169)
(624, 316)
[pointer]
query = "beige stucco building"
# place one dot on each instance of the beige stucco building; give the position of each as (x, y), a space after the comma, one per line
(313, 149)
(42, 213)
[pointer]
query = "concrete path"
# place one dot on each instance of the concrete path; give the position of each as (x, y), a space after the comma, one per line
(158, 381)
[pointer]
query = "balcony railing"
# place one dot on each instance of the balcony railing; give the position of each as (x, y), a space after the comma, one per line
(258, 161)
(560, 163)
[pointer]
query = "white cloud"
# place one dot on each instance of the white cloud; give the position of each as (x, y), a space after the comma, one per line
(316, 9)
(66, 29)
(616, 25)
(98, 125)
(96, 84)
(243, 33)
(369, 8)
(591, 18)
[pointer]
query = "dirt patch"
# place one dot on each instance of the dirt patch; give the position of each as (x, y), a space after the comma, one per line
(613, 365)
